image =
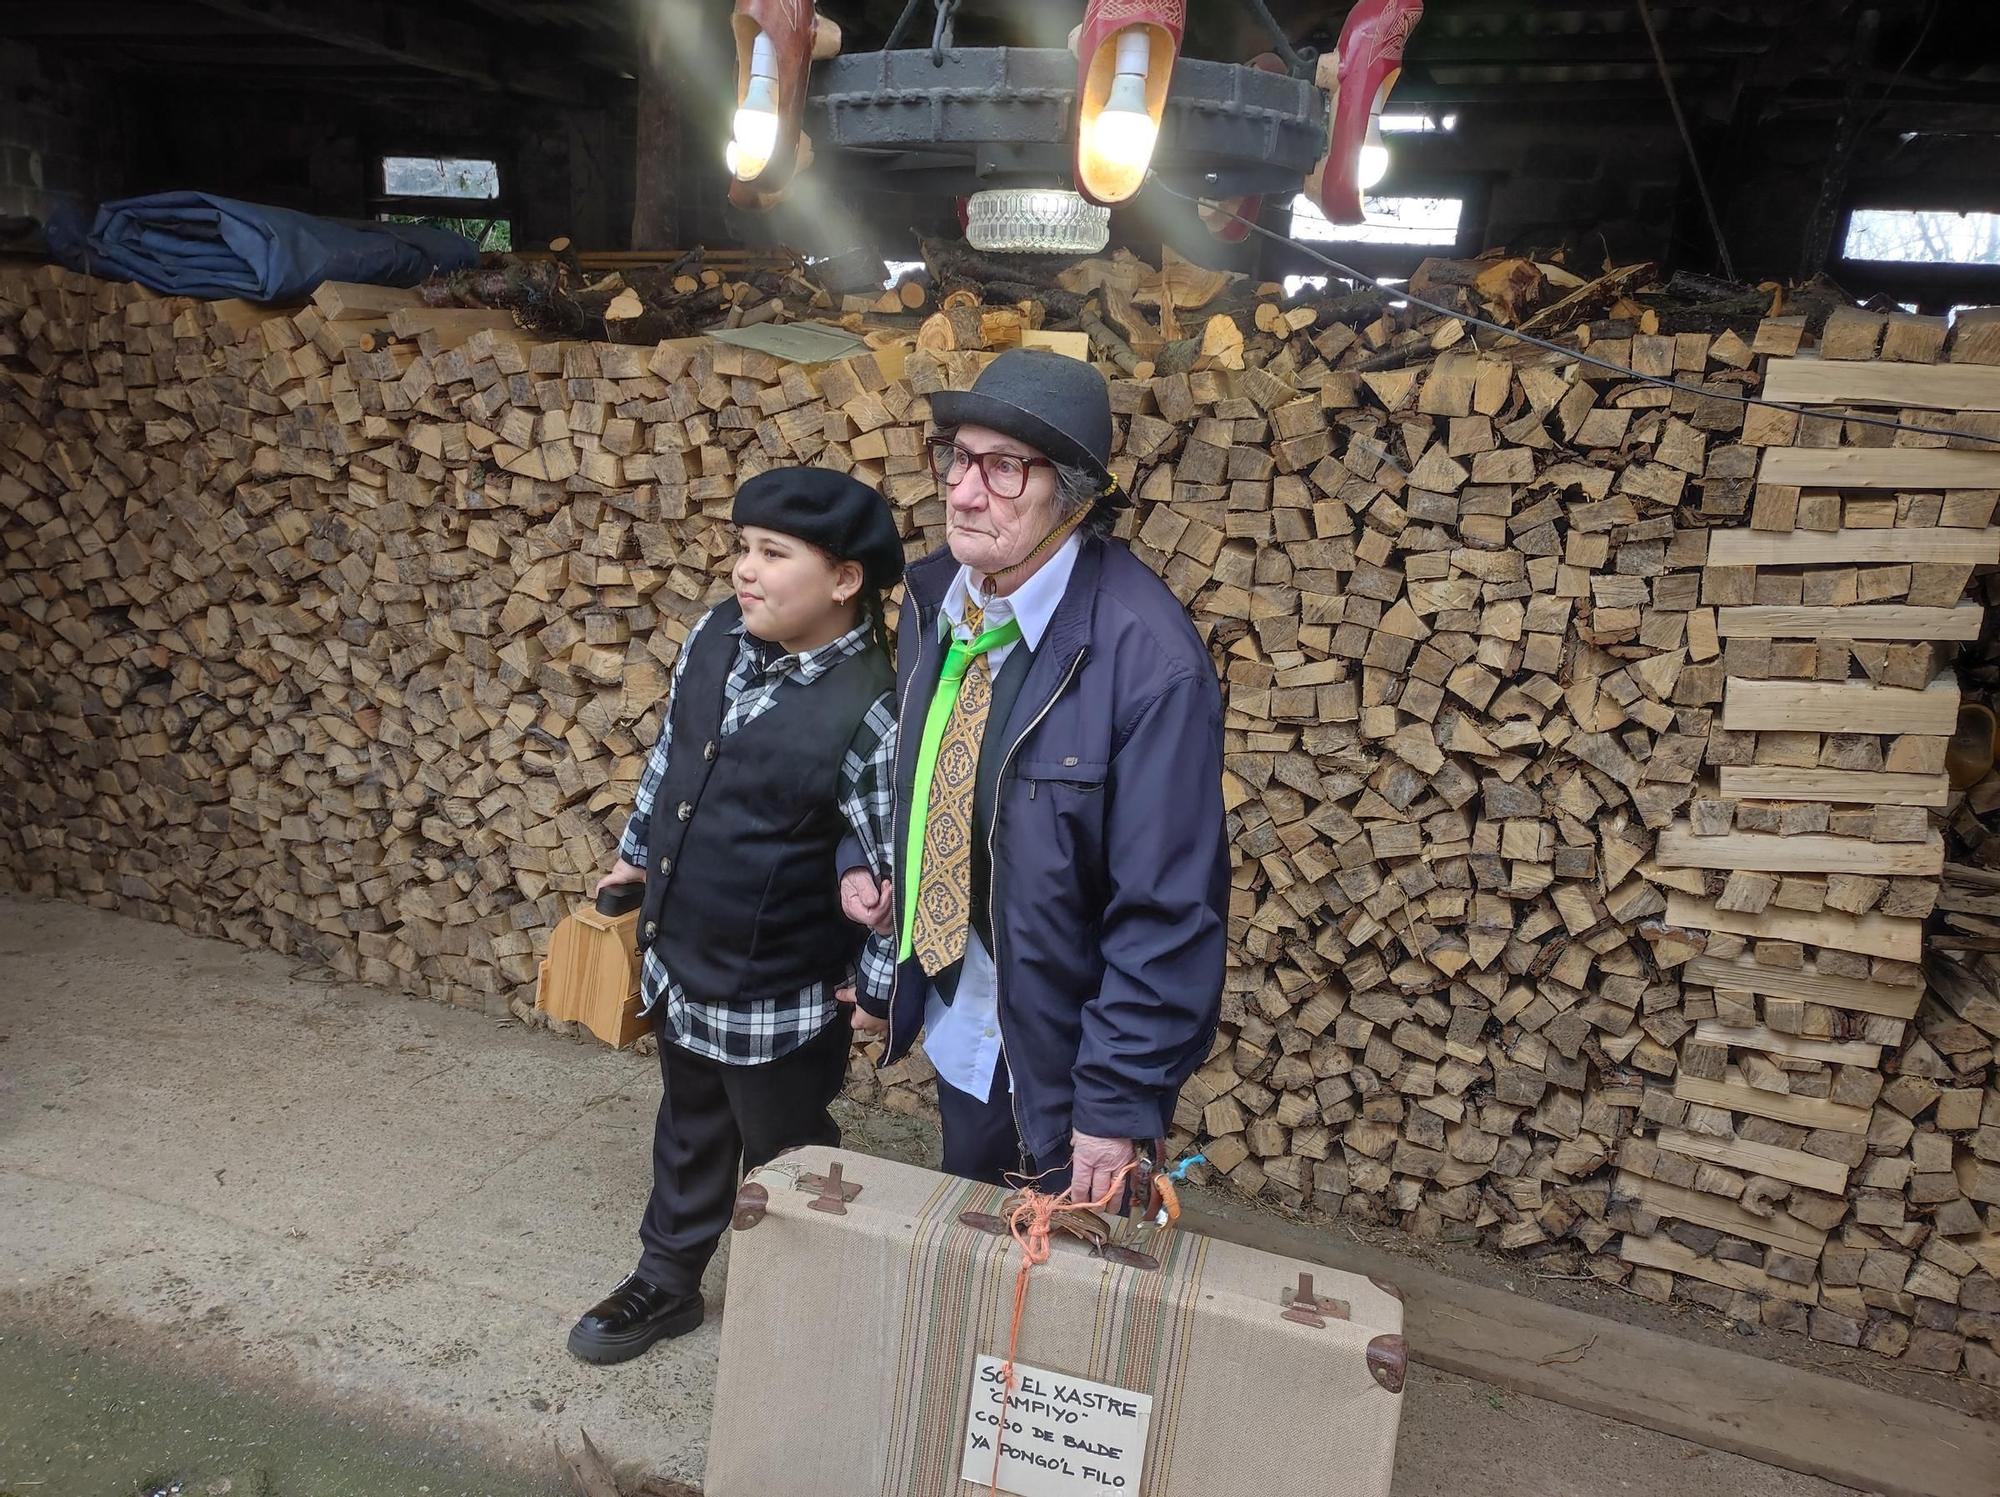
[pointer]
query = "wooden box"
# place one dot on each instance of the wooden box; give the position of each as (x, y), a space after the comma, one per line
(591, 974)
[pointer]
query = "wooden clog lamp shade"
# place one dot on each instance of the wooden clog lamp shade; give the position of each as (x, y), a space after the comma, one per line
(1125, 53)
(777, 42)
(1358, 76)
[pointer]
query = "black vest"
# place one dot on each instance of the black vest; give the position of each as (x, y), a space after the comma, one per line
(742, 897)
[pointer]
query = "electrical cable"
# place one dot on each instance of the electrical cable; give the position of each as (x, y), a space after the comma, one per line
(1903, 67)
(1348, 272)
(1687, 140)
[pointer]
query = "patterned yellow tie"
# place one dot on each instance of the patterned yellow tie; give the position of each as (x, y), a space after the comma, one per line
(944, 884)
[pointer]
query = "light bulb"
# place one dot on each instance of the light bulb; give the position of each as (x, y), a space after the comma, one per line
(1123, 135)
(755, 135)
(1373, 164)
(754, 131)
(1125, 131)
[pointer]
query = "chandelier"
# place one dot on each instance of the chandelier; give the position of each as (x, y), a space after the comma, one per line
(1044, 142)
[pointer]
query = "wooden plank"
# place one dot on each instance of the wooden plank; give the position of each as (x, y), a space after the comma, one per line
(1839, 707)
(1847, 786)
(1931, 387)
(1880, 468)
(1856, 621)
(1739, 1096)
(1798, 1046)
(1856, 994)
(1777, 1229)
(1661, 1251)
(1805, 548)
(454, 326)
(1794, 1165)
(1773, 852)
(1875, 935)
(352, 301)
(1074, 345)
(1839, 1428)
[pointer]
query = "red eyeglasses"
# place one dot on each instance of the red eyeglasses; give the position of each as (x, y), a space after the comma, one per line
(1005, 473)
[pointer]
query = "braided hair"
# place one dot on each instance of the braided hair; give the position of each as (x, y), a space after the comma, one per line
(874, 608)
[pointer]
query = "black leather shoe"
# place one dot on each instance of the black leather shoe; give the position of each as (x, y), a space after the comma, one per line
(630, 1319)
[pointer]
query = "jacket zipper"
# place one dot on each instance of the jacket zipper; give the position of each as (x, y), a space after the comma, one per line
(896, 924)
(993, 883)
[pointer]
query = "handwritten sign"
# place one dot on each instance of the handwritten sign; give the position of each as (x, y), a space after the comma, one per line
(1055, 1435)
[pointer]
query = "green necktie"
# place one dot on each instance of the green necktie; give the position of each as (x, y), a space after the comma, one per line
(937, 884)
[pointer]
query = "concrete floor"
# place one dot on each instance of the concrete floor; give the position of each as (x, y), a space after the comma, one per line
(393, 1210)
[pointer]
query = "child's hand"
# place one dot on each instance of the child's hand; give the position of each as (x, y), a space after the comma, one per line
(868, 901)
(621, 872)
(865, 1023)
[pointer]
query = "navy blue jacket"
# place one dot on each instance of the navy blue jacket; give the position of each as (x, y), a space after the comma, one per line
(1110, 863)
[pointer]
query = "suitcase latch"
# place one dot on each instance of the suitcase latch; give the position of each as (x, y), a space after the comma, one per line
(834, 1192)
(1307, 1308)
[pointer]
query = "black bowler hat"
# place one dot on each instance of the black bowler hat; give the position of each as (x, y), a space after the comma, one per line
(1059, 406)
(842, 516)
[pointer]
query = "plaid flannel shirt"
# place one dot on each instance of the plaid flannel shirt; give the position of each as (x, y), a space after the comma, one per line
(767, 1028)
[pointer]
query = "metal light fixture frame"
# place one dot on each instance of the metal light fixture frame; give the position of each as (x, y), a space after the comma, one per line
(948, 121)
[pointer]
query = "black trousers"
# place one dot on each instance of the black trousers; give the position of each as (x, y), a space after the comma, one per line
(719, 1121)
(982, 1143)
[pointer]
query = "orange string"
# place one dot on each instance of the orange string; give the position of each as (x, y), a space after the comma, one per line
(1031, 1218)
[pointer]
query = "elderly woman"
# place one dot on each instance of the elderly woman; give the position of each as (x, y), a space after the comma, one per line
(1062, 875)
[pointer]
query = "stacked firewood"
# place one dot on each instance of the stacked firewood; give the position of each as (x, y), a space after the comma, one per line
(1818, 1144)
(1556, 919)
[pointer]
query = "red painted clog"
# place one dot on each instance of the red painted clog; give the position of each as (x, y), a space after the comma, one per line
(1360, 74)
(777, 42)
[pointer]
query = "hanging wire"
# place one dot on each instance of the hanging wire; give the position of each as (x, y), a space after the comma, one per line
(1687, 140)
(902, 25)
(1579, 355)
(1298, 60)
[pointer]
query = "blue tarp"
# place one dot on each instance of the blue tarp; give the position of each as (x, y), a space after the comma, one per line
(196, 244)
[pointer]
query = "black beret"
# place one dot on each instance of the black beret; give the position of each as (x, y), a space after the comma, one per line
(842, 516)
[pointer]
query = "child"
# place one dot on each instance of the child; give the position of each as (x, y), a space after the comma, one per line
(781, 730)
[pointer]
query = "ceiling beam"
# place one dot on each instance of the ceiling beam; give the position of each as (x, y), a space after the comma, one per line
(487, 57)
(1600, 48)
(106, 22)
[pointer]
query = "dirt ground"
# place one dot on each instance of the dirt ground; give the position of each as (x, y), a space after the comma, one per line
(380, 1215)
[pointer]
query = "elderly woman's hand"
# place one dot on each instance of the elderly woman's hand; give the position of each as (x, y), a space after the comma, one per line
(1094, 1166)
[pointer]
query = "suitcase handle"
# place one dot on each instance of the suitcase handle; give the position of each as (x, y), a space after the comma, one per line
(1152, 1195)
(1097, 1244)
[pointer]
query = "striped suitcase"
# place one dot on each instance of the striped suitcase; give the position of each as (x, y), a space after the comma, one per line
(866, 1333)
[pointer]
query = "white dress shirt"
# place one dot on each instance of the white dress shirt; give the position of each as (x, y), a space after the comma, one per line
(962, 1038)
